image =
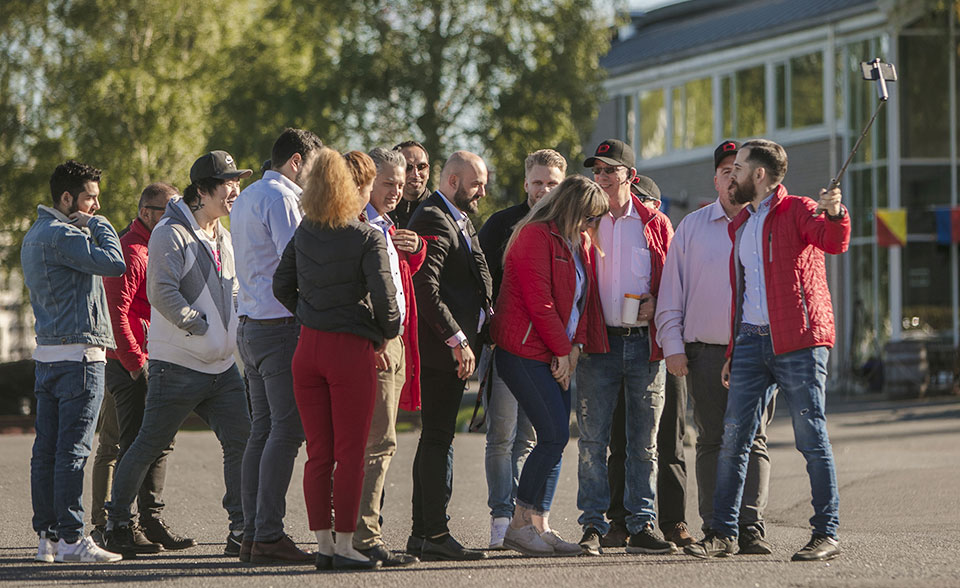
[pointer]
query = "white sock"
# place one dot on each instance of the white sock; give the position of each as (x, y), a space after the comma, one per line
(344, 547)
(325, 543)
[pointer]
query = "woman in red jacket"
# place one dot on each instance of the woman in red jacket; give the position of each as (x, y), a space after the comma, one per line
(540, 324)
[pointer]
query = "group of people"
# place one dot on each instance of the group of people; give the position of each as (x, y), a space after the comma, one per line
(349, 291)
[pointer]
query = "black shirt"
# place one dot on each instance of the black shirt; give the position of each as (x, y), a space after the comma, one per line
(404, 210)
(494, 236)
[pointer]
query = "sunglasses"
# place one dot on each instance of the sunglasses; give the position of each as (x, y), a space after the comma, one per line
(419, 166)
(605, 170)
(592, 219)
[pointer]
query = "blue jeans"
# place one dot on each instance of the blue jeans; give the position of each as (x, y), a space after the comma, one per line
(801, 377)
(276, 432)
(173, 392)
(548, 407)
(510, 438)
(599, 377)
(69, 395)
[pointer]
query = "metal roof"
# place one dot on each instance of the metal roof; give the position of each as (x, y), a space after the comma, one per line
(696, 27)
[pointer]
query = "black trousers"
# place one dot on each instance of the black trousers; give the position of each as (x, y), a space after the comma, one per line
(671, 467)
(130, 397)
(440, 394)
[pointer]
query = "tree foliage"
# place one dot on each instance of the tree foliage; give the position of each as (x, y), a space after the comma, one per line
(141, 89)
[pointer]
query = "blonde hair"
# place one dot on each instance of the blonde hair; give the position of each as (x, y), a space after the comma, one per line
(545, 157)
(331, 197)
(362, 167)
(567, 205)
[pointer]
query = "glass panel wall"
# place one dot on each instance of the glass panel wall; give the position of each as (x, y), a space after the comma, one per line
(653, 123)
(806, 90)
(693, 114)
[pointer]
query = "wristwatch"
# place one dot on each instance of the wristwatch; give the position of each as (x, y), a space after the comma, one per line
(463, 344)
(843, 213)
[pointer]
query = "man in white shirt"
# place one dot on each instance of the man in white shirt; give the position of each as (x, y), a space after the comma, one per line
(693, 322)
(262, 222)
(634, 241)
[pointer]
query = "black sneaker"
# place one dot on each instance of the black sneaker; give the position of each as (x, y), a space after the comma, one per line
(414, 545)
(99, 535)
(590, 542)
(713, 545)
(143, 544)
(819, 548)
(157, 531)
(752, 543)
(646, 541)
(232, 548)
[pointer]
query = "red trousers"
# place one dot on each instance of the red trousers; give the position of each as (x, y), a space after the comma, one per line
(335, 384)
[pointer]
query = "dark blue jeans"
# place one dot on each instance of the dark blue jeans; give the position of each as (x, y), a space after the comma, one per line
(69, 395)
(547, 405)
(801, 377)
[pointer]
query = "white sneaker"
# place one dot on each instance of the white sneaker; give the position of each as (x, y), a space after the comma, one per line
(47, 550)
(561, 548)
(498, 528)
(85, 551)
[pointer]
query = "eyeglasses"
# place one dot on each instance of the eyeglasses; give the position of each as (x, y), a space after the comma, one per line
(606, 170)
(159, 208)
(420, 167)
(592, 219)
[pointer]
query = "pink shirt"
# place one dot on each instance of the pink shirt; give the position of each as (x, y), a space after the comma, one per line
(626, 265)
(694, 301)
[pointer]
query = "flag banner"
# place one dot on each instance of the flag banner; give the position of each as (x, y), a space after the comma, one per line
(948, 225)
(891, 227)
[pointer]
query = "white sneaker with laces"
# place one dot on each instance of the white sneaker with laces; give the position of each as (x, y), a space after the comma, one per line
(561, 547)
(498, 528)
(46, 550)
(84, 551)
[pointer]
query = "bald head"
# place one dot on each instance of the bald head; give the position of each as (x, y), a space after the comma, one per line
(464, 180)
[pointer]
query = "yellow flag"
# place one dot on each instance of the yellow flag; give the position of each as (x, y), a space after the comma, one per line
(891, 227)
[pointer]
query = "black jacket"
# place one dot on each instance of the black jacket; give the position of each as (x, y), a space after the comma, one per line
(338, 281)
(404, 210)
(494, 235)
(452, 286)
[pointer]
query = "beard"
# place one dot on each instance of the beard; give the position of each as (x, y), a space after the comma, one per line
(465, 202)
(743, 194)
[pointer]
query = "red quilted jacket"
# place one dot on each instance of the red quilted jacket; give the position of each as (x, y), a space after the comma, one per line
(658, 230)
(798, 298)
(536, 297)
(127, 299)
(409, 264)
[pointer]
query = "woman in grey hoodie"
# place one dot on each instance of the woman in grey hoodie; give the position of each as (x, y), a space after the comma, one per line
(191, 284)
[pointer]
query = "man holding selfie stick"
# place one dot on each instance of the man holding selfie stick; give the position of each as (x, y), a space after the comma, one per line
(634, 241)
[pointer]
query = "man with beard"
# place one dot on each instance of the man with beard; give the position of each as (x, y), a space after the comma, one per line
(453, 290)
(415, 189)
(64, 255)
(693, 328)
(262, 222)
(783, 320)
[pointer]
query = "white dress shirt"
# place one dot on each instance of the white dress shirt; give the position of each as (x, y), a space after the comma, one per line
(751, 252)
(262, 222)
(383, 222)
(693, 305)
(625, 266)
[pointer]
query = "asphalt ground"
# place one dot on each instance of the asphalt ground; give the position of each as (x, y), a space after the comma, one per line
(898, 469)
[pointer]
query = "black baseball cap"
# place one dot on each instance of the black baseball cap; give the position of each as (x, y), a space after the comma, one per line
(219, 165)
(645, 188)
(724, 150)
(612, 152)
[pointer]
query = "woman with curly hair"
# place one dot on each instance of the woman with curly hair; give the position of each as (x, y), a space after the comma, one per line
(335, 276)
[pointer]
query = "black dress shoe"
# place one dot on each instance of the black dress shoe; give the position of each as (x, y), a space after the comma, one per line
(345, 563)
(324, 562)
(388, 558)
(414, 545)
(447, 548)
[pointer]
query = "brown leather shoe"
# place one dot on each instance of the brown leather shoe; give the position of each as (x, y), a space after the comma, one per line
(245, 546)
(284, 551)
(677, 534)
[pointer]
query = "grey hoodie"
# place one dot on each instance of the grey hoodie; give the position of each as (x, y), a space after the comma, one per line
(194, 323)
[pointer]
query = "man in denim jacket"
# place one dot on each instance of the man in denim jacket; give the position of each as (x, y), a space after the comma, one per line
(64, 255)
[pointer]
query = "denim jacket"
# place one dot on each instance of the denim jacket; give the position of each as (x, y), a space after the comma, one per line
(62, 265)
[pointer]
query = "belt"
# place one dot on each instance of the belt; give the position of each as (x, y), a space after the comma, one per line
(627, 331)
(286, 320)
(748, 329)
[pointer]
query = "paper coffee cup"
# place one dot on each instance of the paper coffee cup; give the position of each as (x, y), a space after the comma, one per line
(629, 309)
